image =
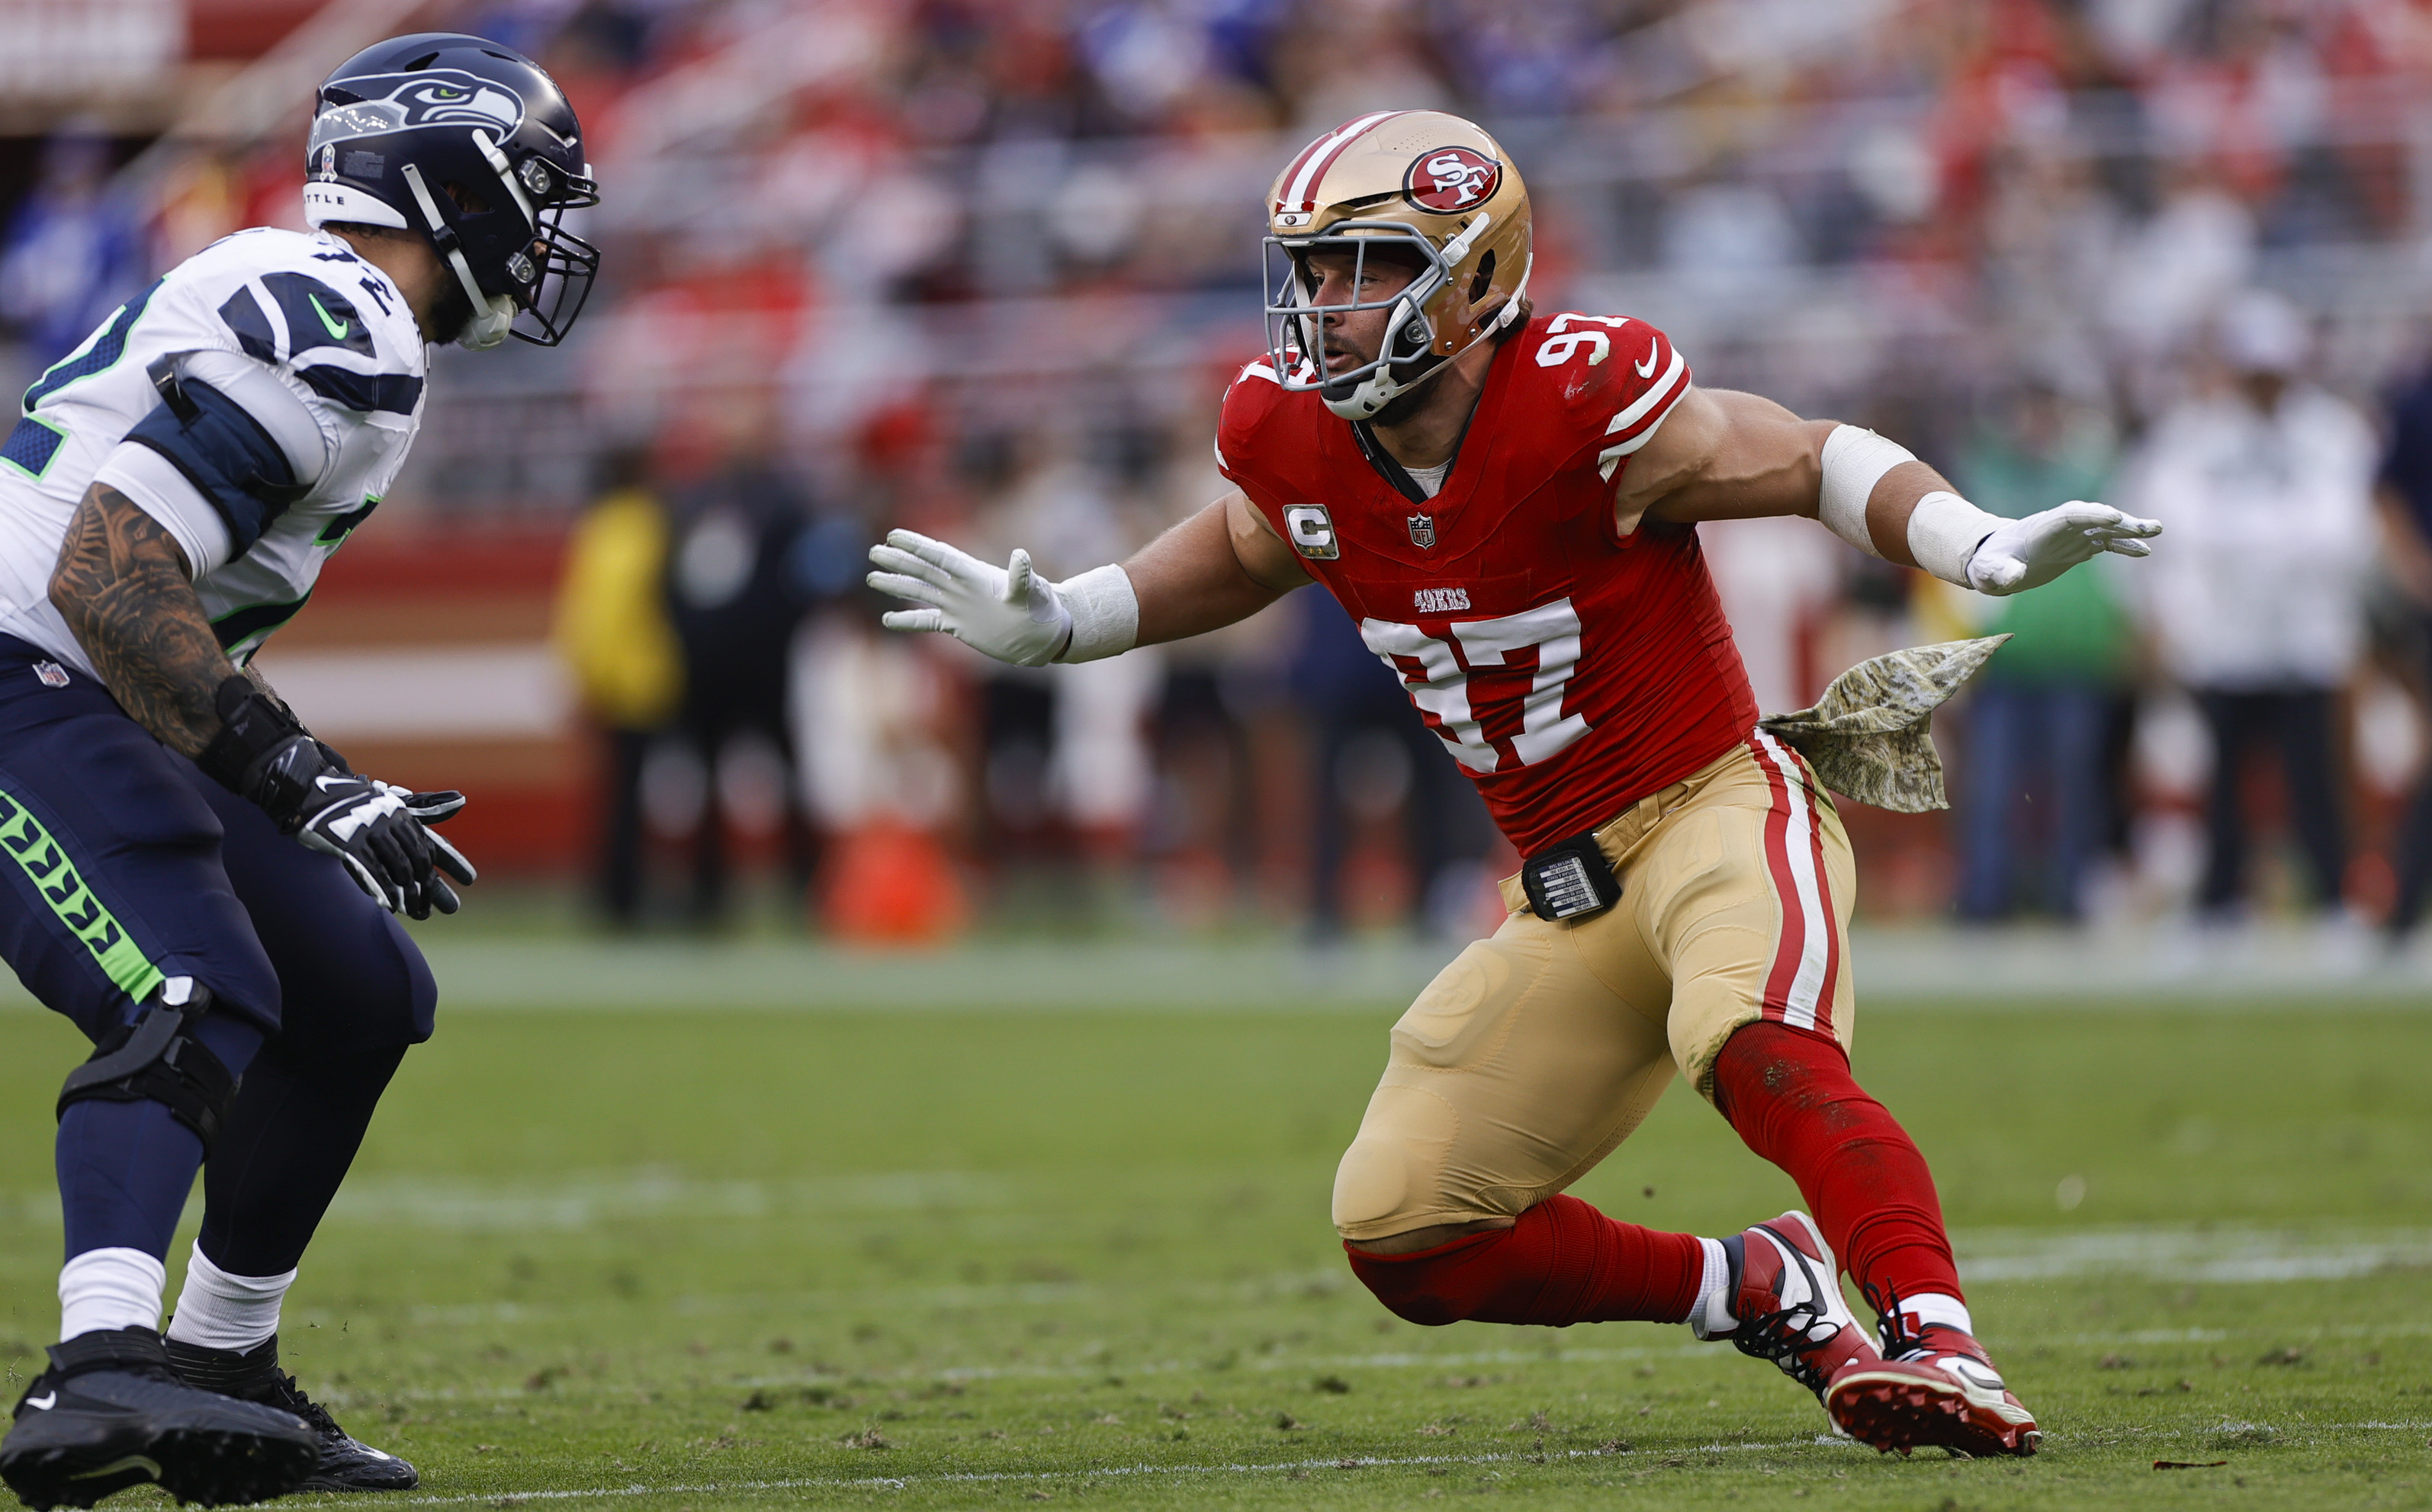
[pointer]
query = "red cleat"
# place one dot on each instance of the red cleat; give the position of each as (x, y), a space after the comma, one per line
(1937, 1389)
(1783, 1304)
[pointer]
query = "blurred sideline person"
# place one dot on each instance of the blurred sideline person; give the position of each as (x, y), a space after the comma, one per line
(201, 886)
(611, 629)
(1507, 502)
(1088, 723)
(735, 591)
(2258, 606)
(2039, 716)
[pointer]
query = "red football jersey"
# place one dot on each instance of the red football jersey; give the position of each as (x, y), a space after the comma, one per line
(1570, 670)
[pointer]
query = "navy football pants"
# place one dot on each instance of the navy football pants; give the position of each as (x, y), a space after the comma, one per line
(125, 865)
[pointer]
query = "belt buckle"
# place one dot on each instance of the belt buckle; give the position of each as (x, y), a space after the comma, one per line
(1570, 880)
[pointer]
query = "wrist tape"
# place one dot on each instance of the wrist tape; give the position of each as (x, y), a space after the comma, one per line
(1943, 531)
(1106, 613)
(1854, 461)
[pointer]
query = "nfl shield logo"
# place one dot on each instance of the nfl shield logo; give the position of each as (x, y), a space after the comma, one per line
(52, 674)
(1423, 531)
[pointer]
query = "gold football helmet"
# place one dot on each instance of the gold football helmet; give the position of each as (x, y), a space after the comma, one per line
(1427, 184)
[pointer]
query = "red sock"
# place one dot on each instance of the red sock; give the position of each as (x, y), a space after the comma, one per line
(1790, 1096)
(1563, 1262)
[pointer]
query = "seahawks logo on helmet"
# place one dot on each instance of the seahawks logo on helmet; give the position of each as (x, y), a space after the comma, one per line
(437, 96)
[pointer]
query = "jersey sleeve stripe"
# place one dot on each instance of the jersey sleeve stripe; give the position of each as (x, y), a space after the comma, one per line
(243, 317)
(395, 392)
(1649, 400)
(1610, 459)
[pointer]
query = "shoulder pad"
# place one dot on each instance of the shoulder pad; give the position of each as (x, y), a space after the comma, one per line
(312, 307)
(1250, 401)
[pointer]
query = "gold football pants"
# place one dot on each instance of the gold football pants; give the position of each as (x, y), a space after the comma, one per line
(1536, 1051)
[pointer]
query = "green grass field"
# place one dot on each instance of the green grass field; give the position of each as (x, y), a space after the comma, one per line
(689, 1258)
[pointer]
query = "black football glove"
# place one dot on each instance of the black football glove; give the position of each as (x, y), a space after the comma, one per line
(377, 831)
(438, 808)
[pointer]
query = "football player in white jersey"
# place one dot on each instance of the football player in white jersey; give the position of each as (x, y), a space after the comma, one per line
(206, 889)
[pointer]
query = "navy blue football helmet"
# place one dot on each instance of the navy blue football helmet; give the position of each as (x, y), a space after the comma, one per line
(471, 144)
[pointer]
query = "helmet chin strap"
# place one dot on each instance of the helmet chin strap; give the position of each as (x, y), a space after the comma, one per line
(492, 314)
(1382, 387)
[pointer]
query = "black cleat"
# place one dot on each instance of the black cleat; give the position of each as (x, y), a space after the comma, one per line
(109, 1413)
(346, 1463)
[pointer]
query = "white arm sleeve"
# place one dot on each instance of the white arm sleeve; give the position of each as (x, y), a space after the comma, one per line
(156, 487)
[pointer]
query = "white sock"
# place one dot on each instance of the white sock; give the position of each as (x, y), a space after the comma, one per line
(110, 1288)
(1709, 1316)
(219, 1311)
(1936, 1307)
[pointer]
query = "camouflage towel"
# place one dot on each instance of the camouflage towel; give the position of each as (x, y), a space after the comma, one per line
(1870, 736)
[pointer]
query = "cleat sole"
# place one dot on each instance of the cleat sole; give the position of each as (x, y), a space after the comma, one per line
(211, 1466)
(1896, 1411)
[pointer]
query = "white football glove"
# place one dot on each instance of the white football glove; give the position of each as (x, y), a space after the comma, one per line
(1010, 612)
(2028, 553)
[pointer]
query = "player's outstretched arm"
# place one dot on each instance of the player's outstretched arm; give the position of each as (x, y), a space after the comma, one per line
(1219, 565)
(123, 587)
(1723, 455)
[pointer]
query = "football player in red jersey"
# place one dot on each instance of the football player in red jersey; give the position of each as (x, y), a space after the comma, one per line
(1507, 504)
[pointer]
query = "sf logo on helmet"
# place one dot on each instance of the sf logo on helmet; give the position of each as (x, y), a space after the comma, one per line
(1451, 179)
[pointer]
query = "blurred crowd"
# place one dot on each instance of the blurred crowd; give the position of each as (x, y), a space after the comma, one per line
(983, 268)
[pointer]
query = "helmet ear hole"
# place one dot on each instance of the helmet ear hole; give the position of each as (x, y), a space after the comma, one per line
(1485, 278)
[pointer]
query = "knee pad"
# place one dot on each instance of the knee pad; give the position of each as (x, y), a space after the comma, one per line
(157, 1059)
(1392, 1178)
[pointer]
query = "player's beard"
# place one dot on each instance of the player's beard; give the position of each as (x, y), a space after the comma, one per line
(1406, 404)
(453, 312)
(1401, 405)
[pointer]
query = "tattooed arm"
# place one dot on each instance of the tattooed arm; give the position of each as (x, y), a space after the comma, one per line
(122, 585)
